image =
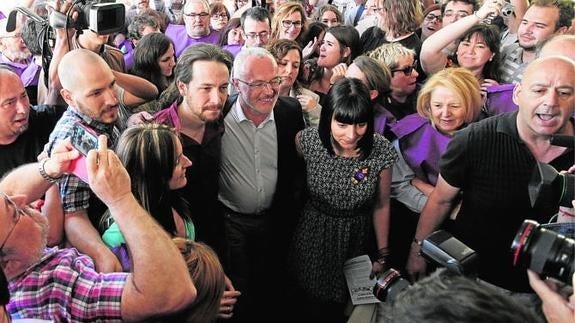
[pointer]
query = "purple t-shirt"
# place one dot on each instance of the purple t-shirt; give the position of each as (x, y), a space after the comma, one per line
(179, 36)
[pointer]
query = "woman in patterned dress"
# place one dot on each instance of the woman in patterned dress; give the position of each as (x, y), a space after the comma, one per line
(348, 180)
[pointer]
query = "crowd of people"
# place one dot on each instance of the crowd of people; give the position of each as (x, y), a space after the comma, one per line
(247, 149)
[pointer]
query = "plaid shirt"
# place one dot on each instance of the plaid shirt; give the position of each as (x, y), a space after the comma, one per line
(64, 286)
(74, 192)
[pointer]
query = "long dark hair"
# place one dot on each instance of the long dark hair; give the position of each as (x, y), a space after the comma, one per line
(148, 152)
(149, 49)
(347, 102)
(490, 35)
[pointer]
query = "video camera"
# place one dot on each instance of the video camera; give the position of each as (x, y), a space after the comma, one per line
(100, 16)
(439, 247)
(549, 187)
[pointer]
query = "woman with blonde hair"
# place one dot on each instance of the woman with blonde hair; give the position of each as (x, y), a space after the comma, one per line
(449, 101)
(289, 21)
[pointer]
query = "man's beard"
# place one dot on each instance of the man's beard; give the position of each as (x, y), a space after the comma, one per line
(16, 55)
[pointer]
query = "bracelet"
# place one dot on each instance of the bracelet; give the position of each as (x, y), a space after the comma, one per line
(418, 242)
(45, 176)
(383, 252)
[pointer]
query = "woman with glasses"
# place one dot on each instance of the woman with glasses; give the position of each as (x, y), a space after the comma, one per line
(401, 62)
(289, 58)
(447, 102)
(289, 21)
(219, 16)
(348, 179)
(431, 22)
(340, 46)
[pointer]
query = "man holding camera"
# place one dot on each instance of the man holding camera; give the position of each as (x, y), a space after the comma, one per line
(488, 165)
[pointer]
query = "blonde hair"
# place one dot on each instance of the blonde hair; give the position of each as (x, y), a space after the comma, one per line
(403, 16)
(462, 82)
(283, 11)
(390, 54)
(208, 276)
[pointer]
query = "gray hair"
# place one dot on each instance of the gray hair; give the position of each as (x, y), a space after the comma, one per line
(241, 58)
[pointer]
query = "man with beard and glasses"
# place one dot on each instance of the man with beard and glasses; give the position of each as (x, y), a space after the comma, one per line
(92, 101)
(15, 54)
(196, 28)
(63, 284)
(542, 19)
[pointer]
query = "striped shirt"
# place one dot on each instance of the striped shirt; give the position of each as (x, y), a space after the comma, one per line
(65, 287)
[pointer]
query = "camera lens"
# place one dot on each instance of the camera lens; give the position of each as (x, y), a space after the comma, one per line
(389, 284)
(544, 251)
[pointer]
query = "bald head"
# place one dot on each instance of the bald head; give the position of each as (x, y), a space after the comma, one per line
(560, 44)
(552, 64)
(71, 65)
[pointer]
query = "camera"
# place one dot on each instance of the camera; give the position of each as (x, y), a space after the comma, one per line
(83, 139)
(441, 248)
(507, 10)
(100, 16)
(549, 188)
(544, 251)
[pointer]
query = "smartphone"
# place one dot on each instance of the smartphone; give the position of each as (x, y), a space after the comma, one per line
(83, 139)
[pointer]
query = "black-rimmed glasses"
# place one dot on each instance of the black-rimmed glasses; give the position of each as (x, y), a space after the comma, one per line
(406, 70)
(432, 17)
(288, 23)
(258, 85)
(263, 35)
(16, 215)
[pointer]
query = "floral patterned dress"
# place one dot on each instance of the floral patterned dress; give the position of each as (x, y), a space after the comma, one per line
(337, 220)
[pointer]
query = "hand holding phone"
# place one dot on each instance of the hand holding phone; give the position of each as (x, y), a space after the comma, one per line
(83, 139)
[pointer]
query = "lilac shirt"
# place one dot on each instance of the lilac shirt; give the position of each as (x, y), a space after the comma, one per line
(421, 146)
(65, 287)
(29, 72)
(179, 36)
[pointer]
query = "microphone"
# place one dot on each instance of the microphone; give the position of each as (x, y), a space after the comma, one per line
(12, 22)
(563, 141)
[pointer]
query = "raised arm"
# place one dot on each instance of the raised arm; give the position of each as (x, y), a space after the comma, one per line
(432, 54)
(137, 90)
(160, 282)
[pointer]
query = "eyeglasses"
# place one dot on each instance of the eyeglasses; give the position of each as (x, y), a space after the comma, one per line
(16, 215)
(432, 17)
(406, 70)
(289, 23)
(16, 35)
(263, 35)
(459, 14)
(220, 16)
(200, 15)
(259, 85)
